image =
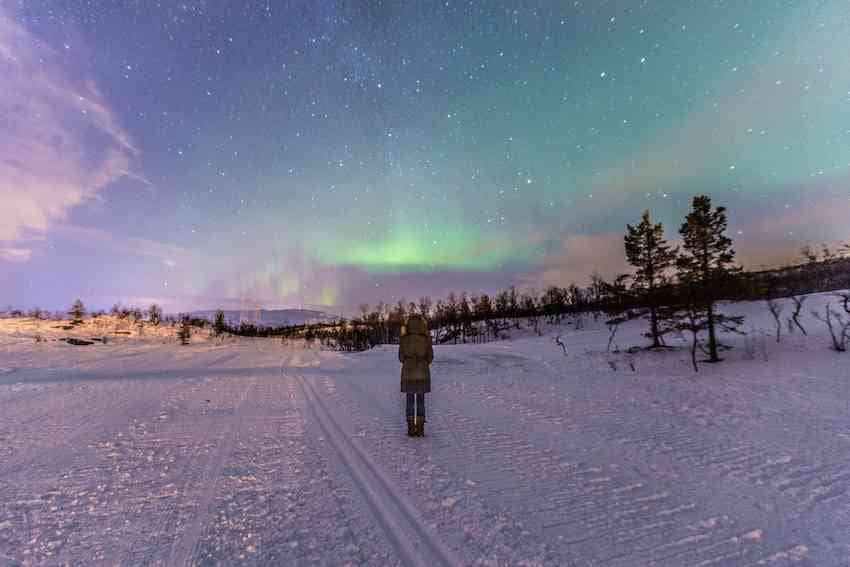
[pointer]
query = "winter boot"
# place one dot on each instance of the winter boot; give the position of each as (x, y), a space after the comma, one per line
(411, 427)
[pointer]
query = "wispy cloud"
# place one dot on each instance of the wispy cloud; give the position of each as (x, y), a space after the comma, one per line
(580, 256)
(170, 255)
(60, 143)
(15, 255)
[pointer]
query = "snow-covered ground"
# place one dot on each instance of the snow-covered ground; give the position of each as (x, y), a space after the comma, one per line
(139, 452)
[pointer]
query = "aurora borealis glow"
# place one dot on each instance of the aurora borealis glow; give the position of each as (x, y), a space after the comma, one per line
(323, 153)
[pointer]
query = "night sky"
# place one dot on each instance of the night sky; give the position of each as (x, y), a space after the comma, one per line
(323, 154)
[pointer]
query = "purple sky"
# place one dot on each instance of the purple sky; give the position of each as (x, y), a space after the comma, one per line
(324, 154)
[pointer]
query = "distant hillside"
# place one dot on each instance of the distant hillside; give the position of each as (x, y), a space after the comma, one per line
(271, 317)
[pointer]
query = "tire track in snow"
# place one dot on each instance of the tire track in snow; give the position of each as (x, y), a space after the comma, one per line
(183, 448)
(579, 504)
(73, 491)
(797, 476)
(60, 434)
(585, 513)
(404, 528)
(186, 546)
(282, 501)
(658, 525)
(436, 470)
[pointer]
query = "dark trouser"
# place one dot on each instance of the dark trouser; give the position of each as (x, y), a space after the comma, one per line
(419, 400)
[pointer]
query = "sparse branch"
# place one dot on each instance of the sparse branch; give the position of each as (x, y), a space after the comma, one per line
(775, 309)
(561, 344)
(839, 327)
(798, 306)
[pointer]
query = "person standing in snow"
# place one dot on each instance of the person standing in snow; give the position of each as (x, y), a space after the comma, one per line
(415, 353)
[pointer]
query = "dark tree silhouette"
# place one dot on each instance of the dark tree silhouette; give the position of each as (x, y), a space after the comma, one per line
(77, 312)
(155, 314)
(652, 257)
(219, 323)
(616, 299)
(775, 309)
(425, 305)
(809, 254)
(705, 268)
(184, 331)
(529, 305)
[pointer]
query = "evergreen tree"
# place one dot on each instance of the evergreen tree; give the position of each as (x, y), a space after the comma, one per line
(554, 302)
(652, 257)
(77, 312)
(514, 305)
(219, 323)
(184, 331)
(155, 314)
(706, 270)
(483, 308)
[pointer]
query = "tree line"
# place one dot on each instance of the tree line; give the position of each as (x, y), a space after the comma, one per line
(675, 289)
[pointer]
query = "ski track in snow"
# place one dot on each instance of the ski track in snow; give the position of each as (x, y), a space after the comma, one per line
(255, 454)
(411, 539)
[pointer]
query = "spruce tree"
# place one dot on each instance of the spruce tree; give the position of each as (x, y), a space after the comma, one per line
(184, 331)
(219, 323)
(77, 312)
(706, 269)
(652, 257)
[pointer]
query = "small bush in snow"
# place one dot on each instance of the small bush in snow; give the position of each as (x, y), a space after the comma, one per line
(184, 331)
(219, 323)
(77, 312)
(155, 314)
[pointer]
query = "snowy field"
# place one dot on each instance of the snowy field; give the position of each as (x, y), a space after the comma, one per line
(142, 453)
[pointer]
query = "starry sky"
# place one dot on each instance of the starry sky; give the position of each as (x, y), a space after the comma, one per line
(321, 153)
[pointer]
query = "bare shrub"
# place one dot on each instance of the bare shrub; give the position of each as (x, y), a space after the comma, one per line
(775, 309)
(838, 325)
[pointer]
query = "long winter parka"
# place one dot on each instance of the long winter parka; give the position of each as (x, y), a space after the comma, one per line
(415, 354)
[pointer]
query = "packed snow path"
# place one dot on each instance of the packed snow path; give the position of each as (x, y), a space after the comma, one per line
(260, 454)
